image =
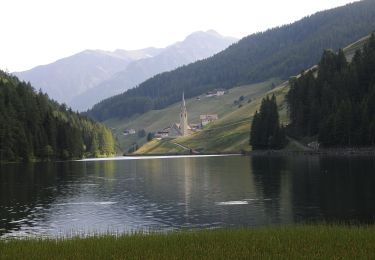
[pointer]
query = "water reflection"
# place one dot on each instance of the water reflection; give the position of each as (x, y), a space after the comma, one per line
(99, 196)
(273, 184)
(335, 189)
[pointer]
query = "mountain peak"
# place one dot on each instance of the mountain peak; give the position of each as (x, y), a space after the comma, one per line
(204, 34)
(214, 33)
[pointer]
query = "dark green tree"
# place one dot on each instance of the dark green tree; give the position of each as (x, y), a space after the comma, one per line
(266, 132)
(150, 136)
(141, 133)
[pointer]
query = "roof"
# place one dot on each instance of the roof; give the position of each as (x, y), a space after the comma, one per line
(205, 117)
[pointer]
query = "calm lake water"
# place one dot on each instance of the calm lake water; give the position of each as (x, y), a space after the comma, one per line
(85, 197)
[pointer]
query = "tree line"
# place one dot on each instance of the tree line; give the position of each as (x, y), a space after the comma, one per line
(34, 127)
(279, 52)
(336, 103)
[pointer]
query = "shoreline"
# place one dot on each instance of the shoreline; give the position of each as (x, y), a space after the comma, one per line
(321, 152)
(349, 152)
(155, 156)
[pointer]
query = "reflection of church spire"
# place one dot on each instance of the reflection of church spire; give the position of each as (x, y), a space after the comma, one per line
(183, 117)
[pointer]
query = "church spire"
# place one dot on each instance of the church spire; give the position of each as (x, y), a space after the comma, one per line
(183, 117)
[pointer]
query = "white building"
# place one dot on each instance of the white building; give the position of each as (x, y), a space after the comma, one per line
(206, 119)
(129, 132)
(216, 93)
(162, 134)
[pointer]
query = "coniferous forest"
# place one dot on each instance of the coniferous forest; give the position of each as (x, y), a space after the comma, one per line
(336, 104)
(266, 132)
(33, 127)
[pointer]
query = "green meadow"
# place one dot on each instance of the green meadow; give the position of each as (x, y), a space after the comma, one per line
(229, 134)
(155, 120)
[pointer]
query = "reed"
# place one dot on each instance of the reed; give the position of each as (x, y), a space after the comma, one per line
(286, 242)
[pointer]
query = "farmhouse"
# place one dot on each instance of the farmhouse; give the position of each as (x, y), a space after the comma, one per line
(206, 119)
(129, 132)
(216, 93)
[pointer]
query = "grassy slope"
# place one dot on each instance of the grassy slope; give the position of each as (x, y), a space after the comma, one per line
(231, 133)
(294, 242)
(352, 48)
(160, 147)
(155, 120)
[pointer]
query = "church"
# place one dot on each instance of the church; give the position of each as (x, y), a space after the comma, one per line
(177, 129)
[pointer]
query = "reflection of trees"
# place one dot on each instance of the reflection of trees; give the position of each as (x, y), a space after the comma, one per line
(346, 190)
(27, 188)
(272, 182)
(304, 174)
(22, 189)
(332, 189)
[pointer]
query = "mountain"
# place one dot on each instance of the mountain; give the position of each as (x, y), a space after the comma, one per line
(230, 133)
(278, 52)
(196, 46)
(34, 127)
(68, 77)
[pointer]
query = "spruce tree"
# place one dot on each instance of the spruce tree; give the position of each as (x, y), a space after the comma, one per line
(266, 132)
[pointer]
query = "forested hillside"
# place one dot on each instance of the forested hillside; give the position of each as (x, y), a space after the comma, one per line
(338, 105)
(279, 52)
(34, 127)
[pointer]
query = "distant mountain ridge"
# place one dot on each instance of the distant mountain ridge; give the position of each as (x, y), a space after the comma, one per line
(276, 53)
(83, 79)
(196, 46)
(67, 77)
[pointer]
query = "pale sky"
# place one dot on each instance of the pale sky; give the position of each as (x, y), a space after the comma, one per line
(36, 32)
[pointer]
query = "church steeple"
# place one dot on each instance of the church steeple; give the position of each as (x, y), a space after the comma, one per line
(183, 117)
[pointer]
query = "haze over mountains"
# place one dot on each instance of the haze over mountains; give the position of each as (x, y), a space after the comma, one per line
(64, 79)
(90, 76)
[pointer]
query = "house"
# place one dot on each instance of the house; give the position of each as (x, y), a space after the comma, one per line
(195, 127)
(314, 145)
(220, 92)
(216, 93)
(162, 134)
(206, 119)
(129, 132)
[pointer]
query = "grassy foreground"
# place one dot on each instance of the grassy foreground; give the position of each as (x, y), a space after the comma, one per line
(321, 241)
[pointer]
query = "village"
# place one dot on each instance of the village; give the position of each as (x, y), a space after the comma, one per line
(183, 127)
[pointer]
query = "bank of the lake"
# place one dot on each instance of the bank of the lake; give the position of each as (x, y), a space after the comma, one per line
(288, 242)
(320, 152)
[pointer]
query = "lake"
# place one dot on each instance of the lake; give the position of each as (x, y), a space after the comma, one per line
(133, 194)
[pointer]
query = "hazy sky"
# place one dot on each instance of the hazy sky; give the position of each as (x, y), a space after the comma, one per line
(35, 32)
